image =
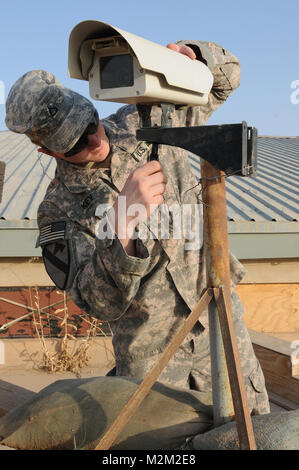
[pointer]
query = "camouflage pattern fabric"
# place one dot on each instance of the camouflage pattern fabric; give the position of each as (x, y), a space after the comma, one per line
(40, 107)
(147, 297)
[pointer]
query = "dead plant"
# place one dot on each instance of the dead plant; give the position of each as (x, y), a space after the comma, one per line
(72, 354)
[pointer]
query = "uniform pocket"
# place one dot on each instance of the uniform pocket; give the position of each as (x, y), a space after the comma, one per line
(257, 380)
(257, 394)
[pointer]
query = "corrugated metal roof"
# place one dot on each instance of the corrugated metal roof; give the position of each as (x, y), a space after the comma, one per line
(27, 176)
(273, 195)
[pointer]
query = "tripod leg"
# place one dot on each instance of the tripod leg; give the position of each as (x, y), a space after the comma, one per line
(145, 386)
(242, 415)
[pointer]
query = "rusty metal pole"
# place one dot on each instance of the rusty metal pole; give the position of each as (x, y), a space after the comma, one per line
(218, 273)
(229, 394)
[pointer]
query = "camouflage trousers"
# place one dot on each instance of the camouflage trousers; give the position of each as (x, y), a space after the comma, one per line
(190, 367)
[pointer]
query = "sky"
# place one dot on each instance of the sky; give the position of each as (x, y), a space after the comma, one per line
(263, 34)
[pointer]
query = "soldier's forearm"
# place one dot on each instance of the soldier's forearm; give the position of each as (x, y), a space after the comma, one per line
(223, 64)
(120, 224)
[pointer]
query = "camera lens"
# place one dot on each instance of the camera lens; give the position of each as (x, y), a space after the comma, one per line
(116, 71)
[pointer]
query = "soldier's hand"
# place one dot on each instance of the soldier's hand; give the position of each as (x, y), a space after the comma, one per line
(182, 49)
(145, 186)
(143, 192)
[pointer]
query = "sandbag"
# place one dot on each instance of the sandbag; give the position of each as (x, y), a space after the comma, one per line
(275, 431)
(76, 413)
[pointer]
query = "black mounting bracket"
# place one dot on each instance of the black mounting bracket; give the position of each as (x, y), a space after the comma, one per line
(231, 148)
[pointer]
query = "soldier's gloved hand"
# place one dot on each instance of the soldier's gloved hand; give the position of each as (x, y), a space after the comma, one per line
(182, 49)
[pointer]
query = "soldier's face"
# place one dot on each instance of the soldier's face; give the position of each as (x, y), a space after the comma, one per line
(97, 150)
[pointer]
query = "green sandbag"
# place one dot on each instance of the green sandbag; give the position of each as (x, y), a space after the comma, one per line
(274, 431)
(76, 413)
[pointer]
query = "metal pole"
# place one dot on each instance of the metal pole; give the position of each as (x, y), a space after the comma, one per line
(218, 274)
(223, 409)
(229, 394)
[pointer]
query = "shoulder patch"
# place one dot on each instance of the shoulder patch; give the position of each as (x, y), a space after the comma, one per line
(57, 262)
(140, 149)
(52, 232)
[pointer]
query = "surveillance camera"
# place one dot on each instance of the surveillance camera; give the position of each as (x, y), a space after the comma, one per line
(126, 68)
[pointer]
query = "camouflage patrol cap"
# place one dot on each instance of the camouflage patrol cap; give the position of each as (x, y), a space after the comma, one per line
(48, 113)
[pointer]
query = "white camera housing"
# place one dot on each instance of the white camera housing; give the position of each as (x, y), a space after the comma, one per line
(126, 68)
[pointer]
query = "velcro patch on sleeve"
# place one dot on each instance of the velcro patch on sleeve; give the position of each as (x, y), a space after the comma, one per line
(52, 232)
(57, 262)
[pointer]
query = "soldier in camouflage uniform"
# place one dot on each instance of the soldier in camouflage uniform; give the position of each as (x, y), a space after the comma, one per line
(144, 287)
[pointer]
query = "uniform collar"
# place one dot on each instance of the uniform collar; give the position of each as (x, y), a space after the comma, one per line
(76, 178)
(127, 154)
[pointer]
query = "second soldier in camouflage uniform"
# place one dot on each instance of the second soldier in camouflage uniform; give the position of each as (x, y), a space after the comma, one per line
(145, 297)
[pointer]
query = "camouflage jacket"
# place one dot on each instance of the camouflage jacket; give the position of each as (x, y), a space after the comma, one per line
(145, 298)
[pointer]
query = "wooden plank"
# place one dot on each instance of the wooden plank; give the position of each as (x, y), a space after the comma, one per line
(271, 307)
(288, 388)
(12, 395)
(276, 358)
(287, 349)
(242, 414)
(271, 271)
(278, 373)
(283, 402)
(273, 361)
(268, 341)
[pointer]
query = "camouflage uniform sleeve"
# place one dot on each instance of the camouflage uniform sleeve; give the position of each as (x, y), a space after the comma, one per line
(225, 68)
(106, 285)
(102, 279)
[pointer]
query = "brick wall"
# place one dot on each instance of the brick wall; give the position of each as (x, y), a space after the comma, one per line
(77, 323)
